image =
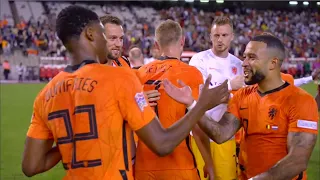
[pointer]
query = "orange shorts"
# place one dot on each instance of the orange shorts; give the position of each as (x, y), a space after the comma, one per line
(168, 174)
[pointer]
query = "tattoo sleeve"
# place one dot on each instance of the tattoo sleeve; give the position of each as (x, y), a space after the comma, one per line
(300, 146)
(221, 131)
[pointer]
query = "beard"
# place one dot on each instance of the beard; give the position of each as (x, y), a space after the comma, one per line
(256, 78)
(111, 56)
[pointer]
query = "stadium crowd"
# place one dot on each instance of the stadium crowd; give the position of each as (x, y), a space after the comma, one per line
(301, 38)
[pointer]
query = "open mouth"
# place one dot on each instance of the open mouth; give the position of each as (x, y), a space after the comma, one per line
(246, 73)
(115, 51)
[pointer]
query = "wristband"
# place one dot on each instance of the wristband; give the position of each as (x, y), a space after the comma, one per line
(192, 105)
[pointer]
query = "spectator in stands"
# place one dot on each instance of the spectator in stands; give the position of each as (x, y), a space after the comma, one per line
(136, 57)
(6, 69)
(20, 72)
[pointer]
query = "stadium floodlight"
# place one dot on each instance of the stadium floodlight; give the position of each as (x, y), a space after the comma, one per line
(204, 1)
(189, 0)
(293, 2)
(220, 1)
(306, 3)
(318, 3)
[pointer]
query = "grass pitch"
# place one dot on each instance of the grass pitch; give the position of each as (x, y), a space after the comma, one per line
(15, 115)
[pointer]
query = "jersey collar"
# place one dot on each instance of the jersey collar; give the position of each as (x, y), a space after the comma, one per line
(71, 69)
(166, 57)
(286, 84)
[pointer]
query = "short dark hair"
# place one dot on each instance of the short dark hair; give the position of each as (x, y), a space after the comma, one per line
(274, 43)
(72, 20)
(109, 19)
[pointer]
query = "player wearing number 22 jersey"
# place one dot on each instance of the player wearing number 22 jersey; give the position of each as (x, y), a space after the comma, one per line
(53, 119)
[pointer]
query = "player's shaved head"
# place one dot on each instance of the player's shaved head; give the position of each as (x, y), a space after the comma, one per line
(274, 45)
(72, 20)
(135, 53)
(168, 32)
(109, 19)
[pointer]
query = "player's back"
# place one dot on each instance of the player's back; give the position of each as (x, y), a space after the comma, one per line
(82, 108)
(168, 110)
(267, 119)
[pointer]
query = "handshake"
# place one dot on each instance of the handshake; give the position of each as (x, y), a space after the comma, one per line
(208, 99)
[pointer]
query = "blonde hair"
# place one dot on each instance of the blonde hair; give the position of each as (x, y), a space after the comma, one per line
(168, 32)
(222, 20)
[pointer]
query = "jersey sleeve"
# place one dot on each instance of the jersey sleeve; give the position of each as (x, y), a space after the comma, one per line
(132, 102)
(303, 114)
(38, 128)
(197, 62)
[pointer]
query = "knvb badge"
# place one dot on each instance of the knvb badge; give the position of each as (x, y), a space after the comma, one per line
(141, 100)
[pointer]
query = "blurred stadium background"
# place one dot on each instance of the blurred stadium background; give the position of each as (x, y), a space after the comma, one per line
(29, 45)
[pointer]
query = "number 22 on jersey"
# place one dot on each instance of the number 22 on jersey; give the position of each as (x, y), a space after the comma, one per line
(72, 138)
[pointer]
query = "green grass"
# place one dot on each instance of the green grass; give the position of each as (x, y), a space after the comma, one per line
(16, 110)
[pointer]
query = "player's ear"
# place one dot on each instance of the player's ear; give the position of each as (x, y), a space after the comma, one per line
(156, 45)
(89, 31)
(232, 36)
(274, 63)
(182, 41)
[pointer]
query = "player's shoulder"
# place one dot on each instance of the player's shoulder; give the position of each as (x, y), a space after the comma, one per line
(199, 57)
(187, 73)
(299, 94)
(235, 59)
(246, 91)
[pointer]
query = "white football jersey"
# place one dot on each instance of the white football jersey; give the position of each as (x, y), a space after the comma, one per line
(221, 69)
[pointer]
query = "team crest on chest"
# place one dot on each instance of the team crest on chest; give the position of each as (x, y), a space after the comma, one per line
(234, 70)
(272, 112)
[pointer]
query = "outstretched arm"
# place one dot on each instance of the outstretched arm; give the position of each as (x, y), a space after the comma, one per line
(163, 141)
(221, 131)
(300, 146)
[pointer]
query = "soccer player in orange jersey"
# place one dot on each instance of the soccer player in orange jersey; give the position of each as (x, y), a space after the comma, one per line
(280, 120)
(180, 164)
(88, 109)
(114, 35)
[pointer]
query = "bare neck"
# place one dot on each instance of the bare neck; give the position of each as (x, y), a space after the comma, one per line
(136, 63)
(171, 51)
(271, 82)
(223, 54)
(79, 56)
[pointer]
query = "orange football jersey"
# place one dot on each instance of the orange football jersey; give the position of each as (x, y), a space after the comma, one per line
(122, 62)
(168, 111)
(89, 111)
(267, 118)
(287, 77)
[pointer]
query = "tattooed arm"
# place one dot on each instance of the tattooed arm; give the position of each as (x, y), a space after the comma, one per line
(300, 146)
(221, 131)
